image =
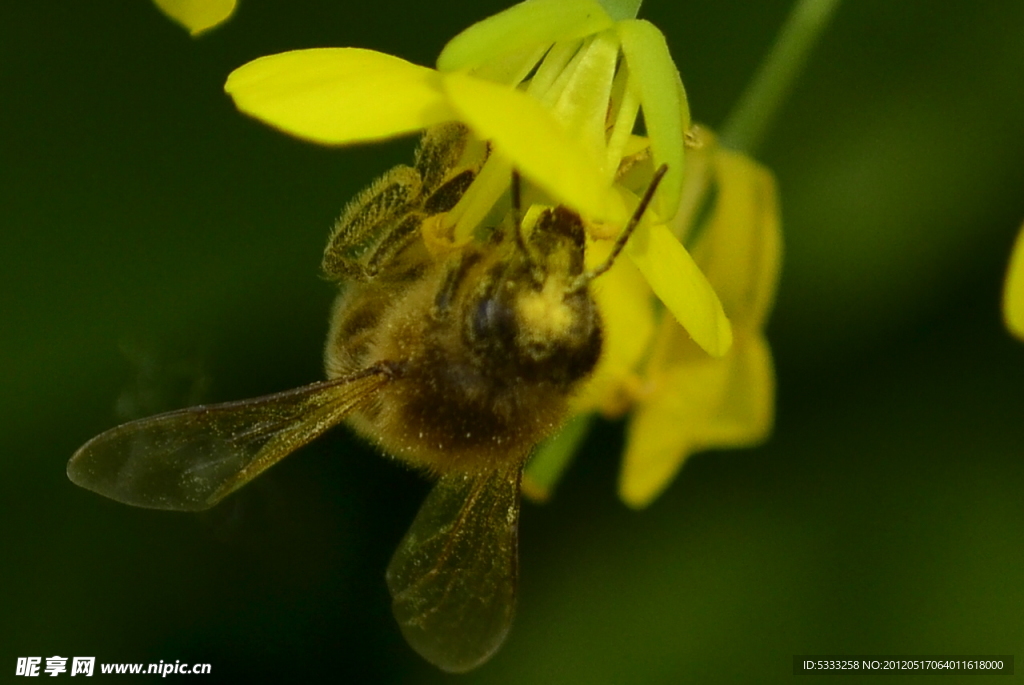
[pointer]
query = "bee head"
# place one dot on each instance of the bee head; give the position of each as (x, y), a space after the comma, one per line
(533, 320)
(534, 317)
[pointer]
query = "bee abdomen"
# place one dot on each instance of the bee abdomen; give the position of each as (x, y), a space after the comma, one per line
(453, 418)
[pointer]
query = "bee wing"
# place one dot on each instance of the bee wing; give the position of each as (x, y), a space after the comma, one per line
(453, 576)
(188, 460)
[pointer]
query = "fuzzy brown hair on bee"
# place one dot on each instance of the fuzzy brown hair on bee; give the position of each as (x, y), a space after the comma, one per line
(485, 348)
(458, 365)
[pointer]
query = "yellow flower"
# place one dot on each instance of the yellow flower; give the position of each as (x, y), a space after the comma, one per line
(556, 88)
(1013, 294)
(197, 16)
(682, 400)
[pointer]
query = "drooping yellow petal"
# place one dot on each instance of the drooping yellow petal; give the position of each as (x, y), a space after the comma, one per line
(337, 96)
(522, 27)
(526, 133)
(699, 403)
(664, 104)
(705, 404)
(663, 431)
(1013, 295)
(681, 286)
(745, 416)
(673, 346)
(740, 250)
(197, 16)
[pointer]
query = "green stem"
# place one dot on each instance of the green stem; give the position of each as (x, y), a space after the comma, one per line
(760, 102)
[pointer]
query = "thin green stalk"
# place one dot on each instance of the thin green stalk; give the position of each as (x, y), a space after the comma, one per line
(753, 114)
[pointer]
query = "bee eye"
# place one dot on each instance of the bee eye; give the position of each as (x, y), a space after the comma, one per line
(493, 323)
(482, 318)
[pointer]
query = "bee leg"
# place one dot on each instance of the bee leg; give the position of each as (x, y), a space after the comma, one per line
(385, 255)
(448, 194)
(440, 150)
(367, 222)
(453, 278)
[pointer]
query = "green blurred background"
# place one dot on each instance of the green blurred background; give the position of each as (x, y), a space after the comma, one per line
(158, 248)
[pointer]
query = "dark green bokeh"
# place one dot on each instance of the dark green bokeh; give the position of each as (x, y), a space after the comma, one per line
(156, 244)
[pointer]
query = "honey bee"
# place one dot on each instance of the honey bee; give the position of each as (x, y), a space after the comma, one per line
(457, 365)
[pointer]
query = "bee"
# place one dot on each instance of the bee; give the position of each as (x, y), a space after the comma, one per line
(457, 365)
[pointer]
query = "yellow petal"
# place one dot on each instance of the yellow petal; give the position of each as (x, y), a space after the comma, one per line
(672, 347)
(522, 27)
(663, 431)
(710, 403)
(681, 286)
(337, 96)
(512, 68)
(666, 112)
(745, 416)
(537, 145)
(1013, 295)
(740, 250)
(197, 16)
